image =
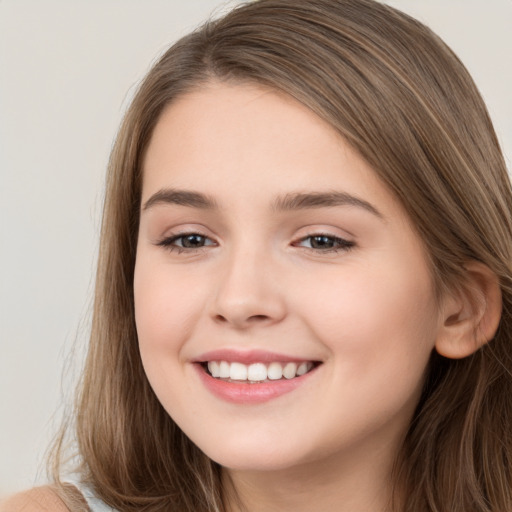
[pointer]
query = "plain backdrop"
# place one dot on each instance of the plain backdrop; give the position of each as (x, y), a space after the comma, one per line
(67, 72)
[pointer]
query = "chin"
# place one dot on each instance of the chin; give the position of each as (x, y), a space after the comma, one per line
(251, 454)
(254, 462)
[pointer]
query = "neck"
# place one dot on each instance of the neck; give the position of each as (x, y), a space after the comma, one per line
(350, 485)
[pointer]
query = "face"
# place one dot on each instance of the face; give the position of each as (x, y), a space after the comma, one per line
(284, 305)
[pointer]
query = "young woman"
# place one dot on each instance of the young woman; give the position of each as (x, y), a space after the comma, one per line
(303, 295)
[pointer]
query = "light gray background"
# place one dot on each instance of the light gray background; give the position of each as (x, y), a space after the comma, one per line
(67, 72)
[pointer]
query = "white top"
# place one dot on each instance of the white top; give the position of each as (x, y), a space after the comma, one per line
(95, 504)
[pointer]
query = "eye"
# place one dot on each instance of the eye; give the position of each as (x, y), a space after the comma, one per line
(325, 243)
(186, 242)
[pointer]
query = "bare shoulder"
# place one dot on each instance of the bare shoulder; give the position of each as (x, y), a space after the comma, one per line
(38, 499)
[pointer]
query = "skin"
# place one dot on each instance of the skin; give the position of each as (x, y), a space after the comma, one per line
(366, 312)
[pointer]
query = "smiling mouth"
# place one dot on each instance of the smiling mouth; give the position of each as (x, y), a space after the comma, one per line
(255, 373)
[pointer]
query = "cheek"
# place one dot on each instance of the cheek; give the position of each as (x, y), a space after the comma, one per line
(380, 329)
(377, 320)
(167, 305)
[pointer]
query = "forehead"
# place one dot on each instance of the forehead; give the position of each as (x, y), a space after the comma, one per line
(236, 142)
(221, 118)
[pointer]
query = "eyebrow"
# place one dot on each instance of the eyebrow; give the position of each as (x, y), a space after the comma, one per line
(311, 200)
(287, 202)
(182, 198)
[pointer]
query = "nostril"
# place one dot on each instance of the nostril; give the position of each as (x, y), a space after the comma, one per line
(253, 319)
(258, 318)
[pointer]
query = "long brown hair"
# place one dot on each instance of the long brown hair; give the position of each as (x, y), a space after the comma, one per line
(398, 95)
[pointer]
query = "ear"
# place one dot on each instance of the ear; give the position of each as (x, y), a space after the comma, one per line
(471, 314)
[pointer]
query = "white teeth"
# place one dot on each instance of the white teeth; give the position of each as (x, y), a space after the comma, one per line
(224, 370)
(238, 371)
(275, 371)
(257, 372)
(302, 369)
(214, 368)
(290, 370)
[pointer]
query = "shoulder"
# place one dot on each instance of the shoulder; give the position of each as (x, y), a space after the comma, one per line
(39, 499)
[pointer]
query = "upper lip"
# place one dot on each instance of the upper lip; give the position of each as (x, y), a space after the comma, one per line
(248, 357)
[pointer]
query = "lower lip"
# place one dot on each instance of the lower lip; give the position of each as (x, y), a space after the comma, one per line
(250, 393)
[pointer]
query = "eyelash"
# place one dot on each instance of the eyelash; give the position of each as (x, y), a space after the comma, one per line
(343, 245)
(169, 243)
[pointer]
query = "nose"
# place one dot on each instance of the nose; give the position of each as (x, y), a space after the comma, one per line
(248, 293)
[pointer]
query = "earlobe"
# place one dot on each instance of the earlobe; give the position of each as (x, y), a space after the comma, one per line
(471, 315)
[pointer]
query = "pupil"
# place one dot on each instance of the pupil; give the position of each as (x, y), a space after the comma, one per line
(322, 242)
(192, 241)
